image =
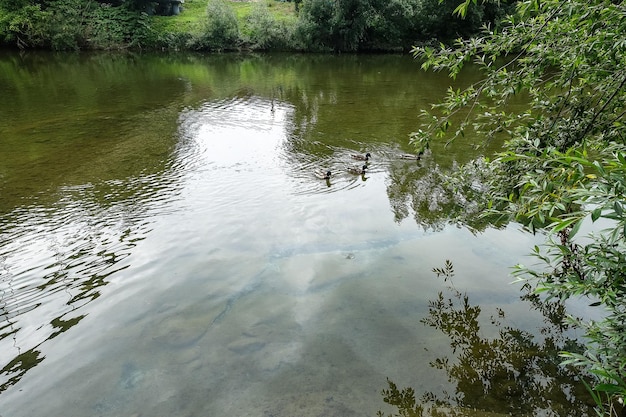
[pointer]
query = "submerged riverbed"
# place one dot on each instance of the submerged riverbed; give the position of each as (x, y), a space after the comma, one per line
(166, 248)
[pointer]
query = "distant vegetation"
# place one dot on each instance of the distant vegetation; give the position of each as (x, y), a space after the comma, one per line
(217, 25)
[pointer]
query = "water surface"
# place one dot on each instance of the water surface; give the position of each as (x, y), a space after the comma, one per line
(165, 248)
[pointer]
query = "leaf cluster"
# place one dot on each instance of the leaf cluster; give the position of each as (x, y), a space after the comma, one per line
(221, 29)
(554, 95)
(71, 25)
(359, 25)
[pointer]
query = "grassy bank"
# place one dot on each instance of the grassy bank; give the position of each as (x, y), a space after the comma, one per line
(193, 17)
(190, 20)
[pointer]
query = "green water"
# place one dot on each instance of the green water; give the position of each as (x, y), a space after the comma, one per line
(166, 249)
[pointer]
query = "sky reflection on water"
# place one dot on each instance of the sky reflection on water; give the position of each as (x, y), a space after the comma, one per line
(200, 268)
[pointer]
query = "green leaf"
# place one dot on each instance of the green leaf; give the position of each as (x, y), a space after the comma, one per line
(609, 388)
(594, 395)
(618, 208)
(595, 215)
(576, 228)
(563, 225)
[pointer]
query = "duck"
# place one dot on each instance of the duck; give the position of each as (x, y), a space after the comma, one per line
(322, 175)
(356, 170)
(411, 156)
(360, 157)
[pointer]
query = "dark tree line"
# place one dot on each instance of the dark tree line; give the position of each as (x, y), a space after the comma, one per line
(352, 25)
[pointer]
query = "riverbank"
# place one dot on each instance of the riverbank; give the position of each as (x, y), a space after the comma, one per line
(225, 25)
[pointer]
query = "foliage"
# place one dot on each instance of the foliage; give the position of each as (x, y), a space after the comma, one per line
(73, 25)
(437, 20)
(394, 24)
(67, 23)
(118, 27)
(222, 28)
(554, 90)
(593, 266)
(316, 25)
(264, 31)
(78, 24)
(312, 33)
(23, 24)
(355, 25)
(351, 25)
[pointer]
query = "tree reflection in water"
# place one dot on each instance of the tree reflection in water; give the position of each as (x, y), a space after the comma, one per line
(514, 373)
(436, 198)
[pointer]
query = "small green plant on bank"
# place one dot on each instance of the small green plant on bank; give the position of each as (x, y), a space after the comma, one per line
(263, 30)
(563, 167)
(221, 30)
(73, 25)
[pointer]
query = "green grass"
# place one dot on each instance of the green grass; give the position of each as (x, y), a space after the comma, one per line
(282, 10)
(242, 9)
(193, 15)
(189, 20)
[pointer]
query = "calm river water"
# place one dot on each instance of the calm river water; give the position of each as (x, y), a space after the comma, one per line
(166, 249)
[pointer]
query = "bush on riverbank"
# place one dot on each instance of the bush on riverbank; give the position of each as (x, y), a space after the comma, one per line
(316, 25)
(73, 25)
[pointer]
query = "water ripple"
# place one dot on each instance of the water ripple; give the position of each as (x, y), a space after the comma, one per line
(301, 166)
(56, 259)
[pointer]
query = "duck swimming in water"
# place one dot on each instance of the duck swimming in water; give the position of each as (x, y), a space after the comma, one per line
(411, 156)
(322, 175)
(360, 157)
(357, 170)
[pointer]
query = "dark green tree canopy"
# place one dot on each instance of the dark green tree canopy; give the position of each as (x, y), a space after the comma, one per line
(352, 25)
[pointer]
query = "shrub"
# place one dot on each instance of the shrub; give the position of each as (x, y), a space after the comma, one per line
(436, 19)
(312, 34)
(68, 23)
(394, 25)
(221, 30)
(23, 26)
(264, 31)
(120, 27)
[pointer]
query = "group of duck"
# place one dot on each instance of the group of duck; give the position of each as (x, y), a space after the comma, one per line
(360, 170)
